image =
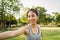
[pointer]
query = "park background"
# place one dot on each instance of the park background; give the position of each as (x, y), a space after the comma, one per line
(13, 16)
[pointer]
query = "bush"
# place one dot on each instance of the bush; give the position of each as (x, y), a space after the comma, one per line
(58, 25)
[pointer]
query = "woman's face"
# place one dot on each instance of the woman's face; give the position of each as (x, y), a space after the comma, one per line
(32, 17)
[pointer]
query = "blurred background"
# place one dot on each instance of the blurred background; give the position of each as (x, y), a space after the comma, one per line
(13, 16)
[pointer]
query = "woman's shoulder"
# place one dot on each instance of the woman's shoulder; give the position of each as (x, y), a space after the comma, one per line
(38, 25)
(26, 30)
(24, 27)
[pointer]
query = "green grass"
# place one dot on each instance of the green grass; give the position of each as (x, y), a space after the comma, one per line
(47, 35)
(51, 34)
(17, 38)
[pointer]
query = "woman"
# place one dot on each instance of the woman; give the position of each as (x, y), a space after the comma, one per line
(31, 31)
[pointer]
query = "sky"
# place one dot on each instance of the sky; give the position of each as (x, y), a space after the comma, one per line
(49, 5)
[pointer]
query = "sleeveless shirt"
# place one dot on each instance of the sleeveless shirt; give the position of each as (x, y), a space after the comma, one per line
(33, 36)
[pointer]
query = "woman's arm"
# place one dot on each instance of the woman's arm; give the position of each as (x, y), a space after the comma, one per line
(12, 33)
(42, 36)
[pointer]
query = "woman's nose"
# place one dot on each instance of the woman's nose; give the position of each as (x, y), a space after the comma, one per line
(31, 18)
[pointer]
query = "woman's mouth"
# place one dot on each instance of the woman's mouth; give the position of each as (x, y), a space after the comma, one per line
(32, 21)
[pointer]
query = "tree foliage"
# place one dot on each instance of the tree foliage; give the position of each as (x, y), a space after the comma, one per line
(8, 7)
(41, 11)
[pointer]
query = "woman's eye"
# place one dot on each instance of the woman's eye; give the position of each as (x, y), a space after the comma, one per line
(33, 15)
(28, 16)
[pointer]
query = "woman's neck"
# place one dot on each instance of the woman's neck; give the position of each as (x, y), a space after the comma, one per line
(33, 25)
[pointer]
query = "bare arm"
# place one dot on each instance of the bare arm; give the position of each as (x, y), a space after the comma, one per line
(42, 36)
(12, 33)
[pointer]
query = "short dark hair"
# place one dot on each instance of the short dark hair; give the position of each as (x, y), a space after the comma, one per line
(33, 10)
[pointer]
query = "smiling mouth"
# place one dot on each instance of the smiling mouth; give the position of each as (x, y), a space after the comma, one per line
(32, 21)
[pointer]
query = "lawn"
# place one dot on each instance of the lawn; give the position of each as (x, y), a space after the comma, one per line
(51, 34)
(48, 34)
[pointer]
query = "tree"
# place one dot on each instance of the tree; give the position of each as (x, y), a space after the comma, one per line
(24, 19)
(10, 20)
(57, 18)
(8, 7)
(42, 15)
(14, 20)
(48, 19)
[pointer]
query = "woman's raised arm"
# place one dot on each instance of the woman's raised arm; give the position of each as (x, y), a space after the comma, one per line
(8, 34)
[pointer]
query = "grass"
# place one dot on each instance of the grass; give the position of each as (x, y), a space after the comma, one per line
(21, 37)
(50, 34)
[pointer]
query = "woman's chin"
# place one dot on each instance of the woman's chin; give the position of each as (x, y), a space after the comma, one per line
(32, 23)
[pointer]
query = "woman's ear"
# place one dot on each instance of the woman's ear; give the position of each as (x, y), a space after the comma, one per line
(37, 17)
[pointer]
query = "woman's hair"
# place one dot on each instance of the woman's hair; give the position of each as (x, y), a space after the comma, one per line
(33, 10)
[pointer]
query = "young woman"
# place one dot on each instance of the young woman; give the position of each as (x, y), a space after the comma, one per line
(31, 31)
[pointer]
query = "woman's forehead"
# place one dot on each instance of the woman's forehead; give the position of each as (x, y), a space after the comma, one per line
(31, 12)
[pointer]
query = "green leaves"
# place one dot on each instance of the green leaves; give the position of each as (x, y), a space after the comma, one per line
(24, 18)
(42, 14)
(7, 9)
(16, 8)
